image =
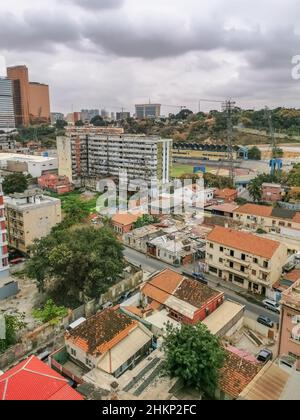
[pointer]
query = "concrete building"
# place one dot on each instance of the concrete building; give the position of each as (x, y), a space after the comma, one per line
(110, 341)
(122, 116)
(7, 113)
(33, 165)
(56, 116)
(91, 153)
(73, 117)
(289, 336)
(30, 216)
(39, 103)
(244, 259)
(147, 111)
(186, 301)
(88, 114)
(272, 192)
(20, 78)
(124, 222)
(268, 218)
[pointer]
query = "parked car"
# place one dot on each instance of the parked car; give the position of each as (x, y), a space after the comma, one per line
(107, 305)
(264, 356)
(125, 297)
(264, 320)
(272, 305)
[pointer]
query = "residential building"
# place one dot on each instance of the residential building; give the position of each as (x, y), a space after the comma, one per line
(55, 183)
(30, 216)
(124, 222)
(31, 99)
(8, 141)
(56, 116)
(287, 280)
(109, 341)
(268, 218)
(272, 192)
(33, 165)
(104, 114)
(122, 116)
(224, 210)
(227, 195)
(144, 111)
(39, 103)
(91, 153)
(247, 260)
(7, 113)
(20, 78)
(187, 301)
(139, 239)
(33, 380)
(73, 117)
(238, 372)
(289, 335)
(88, 114)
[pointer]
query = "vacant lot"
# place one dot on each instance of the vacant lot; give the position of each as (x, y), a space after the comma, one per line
(179, 170)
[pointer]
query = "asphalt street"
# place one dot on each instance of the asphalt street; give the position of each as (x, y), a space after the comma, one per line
(153, 265)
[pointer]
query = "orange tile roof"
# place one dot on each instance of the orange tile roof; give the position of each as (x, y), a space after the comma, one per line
(227, 192)
(101, 332)
(293, 275)
(125, 219)
(155, 293)
(167, 280)
(242, 241)
(255, 210)
(237, 374)
(296, 218)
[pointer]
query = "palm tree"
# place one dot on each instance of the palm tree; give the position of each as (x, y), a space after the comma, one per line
(254, 189)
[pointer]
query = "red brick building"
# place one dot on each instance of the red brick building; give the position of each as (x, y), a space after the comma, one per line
(55, 183)
(272, 192)
(228, 195)
(124, 223)
(186, 300)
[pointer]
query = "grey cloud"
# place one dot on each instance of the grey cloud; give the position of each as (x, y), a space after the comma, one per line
(98, 4)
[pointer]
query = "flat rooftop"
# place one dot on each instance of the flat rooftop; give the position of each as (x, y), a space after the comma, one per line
(24, 158)
(222, 316)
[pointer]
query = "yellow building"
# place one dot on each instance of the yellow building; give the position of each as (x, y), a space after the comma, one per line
(244, 259)
(30, 216)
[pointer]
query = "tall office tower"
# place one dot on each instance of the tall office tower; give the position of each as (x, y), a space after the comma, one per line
(19, 76)
(122, 115)
(147, 111)
(104, 114)
(39, 103)
(112, 116)
(7, 114)
(4, 265)
(92, 153)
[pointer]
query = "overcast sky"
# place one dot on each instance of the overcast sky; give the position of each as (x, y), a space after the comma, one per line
(115, 53)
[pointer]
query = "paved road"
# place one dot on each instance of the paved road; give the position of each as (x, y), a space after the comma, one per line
(152, 265)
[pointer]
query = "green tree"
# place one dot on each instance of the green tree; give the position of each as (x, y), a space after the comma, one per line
(79, 123)
(71, 265)
(61, 124)
(98, 121)
(50, 313)
(255, 189)
(195, 356)
(216, 181)
(254, 153)
(15, 183)
(146, 220)
(13, 324)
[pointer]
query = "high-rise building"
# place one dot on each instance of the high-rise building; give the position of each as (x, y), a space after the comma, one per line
(104, 114)
(147, 111)
(31, 99)
(39, 103)
(122, 116)
(56, 116)
(88, 114)
(19, 76)
(4, 266)
(112, 116)
(7, 114)
(90, 152)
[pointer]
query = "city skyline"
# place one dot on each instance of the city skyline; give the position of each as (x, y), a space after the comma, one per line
(118, 53)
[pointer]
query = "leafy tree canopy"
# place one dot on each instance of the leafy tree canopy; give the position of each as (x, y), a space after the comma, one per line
(254, 153)
(50, 313)
(13, 324)
(146, 220)
(15, 183)
(195, 356)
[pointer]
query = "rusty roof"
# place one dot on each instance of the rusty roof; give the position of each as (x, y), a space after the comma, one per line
(102, 331)
(237, 374)
(195, 293)
(246, 242)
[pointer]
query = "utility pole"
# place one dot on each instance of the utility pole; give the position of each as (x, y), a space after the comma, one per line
(228, 107)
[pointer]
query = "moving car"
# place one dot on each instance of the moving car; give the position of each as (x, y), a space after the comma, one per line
(264, 356)
(272, 305)
(264, 320)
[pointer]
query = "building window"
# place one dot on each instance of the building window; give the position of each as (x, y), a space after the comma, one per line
(213, 270)
(73, 352)
(238, 280)
(231, 264)
(266, 264)
(264, 276)
(221, 260)
(221, 249)
(255, 260)
(243, 257)
(232, 253)
(253, 272)
(242, 269)
(211, 246)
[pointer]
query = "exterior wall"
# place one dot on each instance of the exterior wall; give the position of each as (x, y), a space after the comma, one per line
(267, 223)
(39, 102)
(288, 346)
(9, 289)
(271, 194)
(122, 229)
(77, 354)
(7, 112)
(64, 157)
(36, 169)
(26, 225)
(257, 277)
(19, 75)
